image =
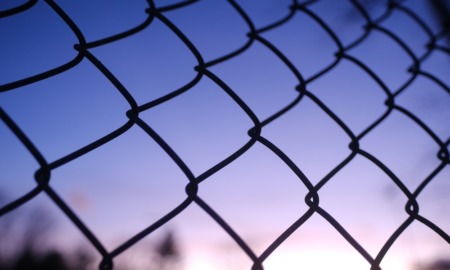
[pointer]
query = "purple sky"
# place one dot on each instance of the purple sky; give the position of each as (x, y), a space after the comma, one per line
(127, 184)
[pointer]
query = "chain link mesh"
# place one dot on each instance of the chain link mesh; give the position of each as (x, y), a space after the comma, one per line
(344, 53)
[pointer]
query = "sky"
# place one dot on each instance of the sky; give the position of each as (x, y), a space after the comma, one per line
(127, 184)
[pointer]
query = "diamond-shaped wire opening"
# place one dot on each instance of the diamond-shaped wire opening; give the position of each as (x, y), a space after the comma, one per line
(267, 87)
(404, 147)
(361, 197)
(203, 126)
(311, 49)
(347, 89)
(194, 21)
(375, 50)
(158, 64)
(81, 87)
(52, 43)
(134, 161)
(315, 149)
(255, 189)
(430, 103)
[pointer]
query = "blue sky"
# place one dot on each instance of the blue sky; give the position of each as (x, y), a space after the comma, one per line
(127, 184)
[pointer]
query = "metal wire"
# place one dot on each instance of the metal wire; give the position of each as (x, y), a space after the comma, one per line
(202, 69)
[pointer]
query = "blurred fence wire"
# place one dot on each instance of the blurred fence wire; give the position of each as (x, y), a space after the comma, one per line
(437, 41)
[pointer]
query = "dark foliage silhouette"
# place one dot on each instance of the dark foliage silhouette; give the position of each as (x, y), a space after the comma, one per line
(167, 253)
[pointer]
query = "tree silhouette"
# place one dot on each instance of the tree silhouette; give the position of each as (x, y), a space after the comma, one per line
(23, 234)
(167, 253)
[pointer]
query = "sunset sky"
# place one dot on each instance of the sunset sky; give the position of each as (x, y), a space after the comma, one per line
(127, 184)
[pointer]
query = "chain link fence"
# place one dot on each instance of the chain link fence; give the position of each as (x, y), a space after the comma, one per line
(369, 17)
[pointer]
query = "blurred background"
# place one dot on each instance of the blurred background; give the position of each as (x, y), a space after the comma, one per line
(64, 98)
